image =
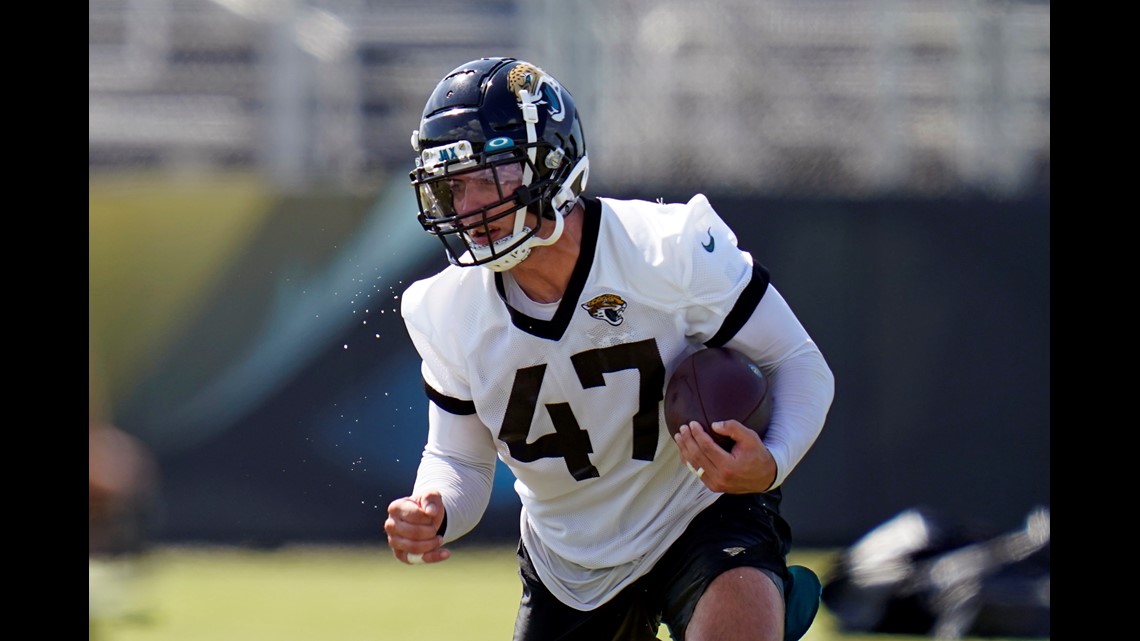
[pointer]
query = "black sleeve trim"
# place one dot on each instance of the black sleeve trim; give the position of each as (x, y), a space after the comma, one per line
(449, 404)
(743, 308)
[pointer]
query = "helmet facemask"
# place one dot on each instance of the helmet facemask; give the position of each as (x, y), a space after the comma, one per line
(450, 178)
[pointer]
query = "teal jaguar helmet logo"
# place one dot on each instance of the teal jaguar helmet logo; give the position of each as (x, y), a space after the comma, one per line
(537, 83)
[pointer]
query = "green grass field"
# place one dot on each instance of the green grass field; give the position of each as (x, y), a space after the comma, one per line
(330, 594)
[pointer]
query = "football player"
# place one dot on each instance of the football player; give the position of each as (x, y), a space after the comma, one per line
(546, 343)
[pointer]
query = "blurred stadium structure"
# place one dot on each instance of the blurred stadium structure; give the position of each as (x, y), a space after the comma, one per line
(839, 98)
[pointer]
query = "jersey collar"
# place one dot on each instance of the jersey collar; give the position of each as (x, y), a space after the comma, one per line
(554, 328)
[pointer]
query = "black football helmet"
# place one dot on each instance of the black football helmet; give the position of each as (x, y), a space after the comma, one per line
(514, 127)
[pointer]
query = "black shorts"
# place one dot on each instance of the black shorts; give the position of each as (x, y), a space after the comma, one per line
(738, 530)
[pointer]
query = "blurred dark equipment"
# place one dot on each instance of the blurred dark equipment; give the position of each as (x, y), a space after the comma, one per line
(920, 573)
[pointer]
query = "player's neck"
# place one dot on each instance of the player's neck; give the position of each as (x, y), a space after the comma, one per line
(545, 274)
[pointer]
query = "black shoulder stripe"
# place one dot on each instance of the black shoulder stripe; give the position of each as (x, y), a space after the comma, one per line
(742, 310)
(449, 404)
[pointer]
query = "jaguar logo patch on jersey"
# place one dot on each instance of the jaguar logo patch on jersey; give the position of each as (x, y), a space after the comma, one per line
(531, 78)
(607, 307)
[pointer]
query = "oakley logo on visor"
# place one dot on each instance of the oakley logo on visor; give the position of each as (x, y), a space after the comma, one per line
(499, 143)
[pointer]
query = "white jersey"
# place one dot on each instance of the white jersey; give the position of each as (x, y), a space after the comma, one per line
(573, 401)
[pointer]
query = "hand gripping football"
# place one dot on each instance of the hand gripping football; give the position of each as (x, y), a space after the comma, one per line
(717, 384)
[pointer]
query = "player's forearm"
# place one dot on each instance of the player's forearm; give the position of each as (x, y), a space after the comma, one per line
(466, 491)
(803, 387)
(459, 461)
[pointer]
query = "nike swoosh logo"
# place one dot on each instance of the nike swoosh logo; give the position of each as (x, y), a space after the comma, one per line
(711, 245)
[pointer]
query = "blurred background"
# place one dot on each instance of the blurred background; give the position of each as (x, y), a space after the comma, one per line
(252, 230)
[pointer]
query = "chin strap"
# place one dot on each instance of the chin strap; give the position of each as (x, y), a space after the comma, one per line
(521, 253)
(559, 225)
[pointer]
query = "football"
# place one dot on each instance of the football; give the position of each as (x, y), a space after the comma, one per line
(717, 384)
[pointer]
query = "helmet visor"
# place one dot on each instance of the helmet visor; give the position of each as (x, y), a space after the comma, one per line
(452, 202)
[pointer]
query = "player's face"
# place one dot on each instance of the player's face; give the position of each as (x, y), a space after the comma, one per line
(473, 191)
